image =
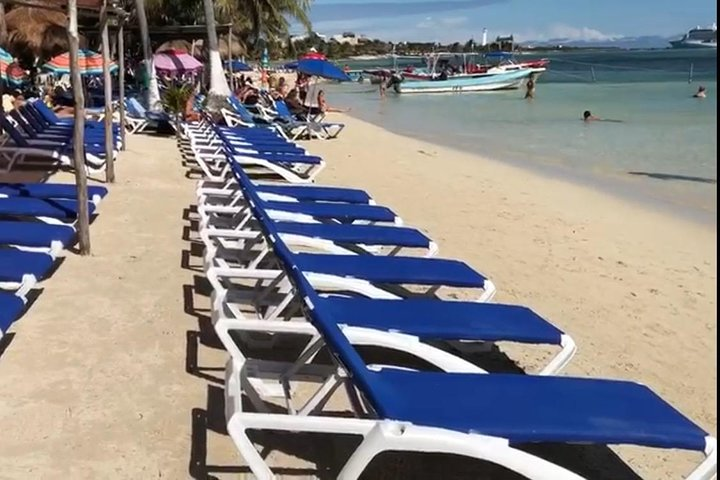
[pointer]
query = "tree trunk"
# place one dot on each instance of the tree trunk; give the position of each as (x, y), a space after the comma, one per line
(107, 83)
(153, 94)
(3, 25)
(219, 88)
(83, 214)
(121, 82)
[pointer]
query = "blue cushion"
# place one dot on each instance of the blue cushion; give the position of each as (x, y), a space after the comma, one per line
(432, 319)
(532, 409)
(314, 193)
(48, 190)
(11, 306)
(357, 234)
(16, 263)
(392, 270)
(35, 234)
(35, 207)
(339, 211)
(276, 157)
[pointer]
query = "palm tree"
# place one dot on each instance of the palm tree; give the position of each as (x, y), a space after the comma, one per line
(219, 88)
(153, 98)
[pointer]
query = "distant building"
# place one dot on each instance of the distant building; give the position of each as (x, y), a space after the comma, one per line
(504, 43)
(298, 38)
(348, 38)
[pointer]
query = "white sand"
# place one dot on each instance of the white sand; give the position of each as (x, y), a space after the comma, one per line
(94, 382)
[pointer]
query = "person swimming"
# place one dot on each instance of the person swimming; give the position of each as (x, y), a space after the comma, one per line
(700, 92)
(589, 117)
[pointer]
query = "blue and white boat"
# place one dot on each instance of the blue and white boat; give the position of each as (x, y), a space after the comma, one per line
(460, 84)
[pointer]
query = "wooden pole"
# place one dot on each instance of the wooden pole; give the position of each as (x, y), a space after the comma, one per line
(107, 83)
(121, 81)
(83, 220)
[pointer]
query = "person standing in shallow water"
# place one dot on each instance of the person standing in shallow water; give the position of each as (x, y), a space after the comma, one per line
(530, 86)
(700, 92)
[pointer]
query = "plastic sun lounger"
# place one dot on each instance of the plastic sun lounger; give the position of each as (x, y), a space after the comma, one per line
(284, 164)
(323, 130)
(35, 207)
(60, 152)
(12, 306)
(37, 236)
(50, 190)
(51, 118)
(483, 416)
(230, 192)
(36, 130)
(19, 267)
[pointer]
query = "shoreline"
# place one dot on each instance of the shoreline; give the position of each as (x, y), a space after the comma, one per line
(644, 196)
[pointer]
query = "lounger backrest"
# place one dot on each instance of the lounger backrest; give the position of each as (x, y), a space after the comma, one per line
(31, 108)
(135, 108)
(38, 126)
(16, 136)
(23, 123)
(282, 109)
(240, 109)
(47, 113)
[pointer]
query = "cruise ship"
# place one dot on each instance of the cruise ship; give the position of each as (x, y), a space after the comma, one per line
(698, 37)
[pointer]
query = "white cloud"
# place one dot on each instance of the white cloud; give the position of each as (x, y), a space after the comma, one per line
(566, 32)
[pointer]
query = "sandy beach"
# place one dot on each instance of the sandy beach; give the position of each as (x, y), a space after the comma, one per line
(112, 372)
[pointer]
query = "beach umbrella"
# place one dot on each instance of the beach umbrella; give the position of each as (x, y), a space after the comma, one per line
(89, 63)
(173, 62)
(16, 75)
(238, 66)
(291, 66)
(322, 68)
(313, 55)
(5, 60)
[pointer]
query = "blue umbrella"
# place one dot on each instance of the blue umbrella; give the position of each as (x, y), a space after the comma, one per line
(322, 68)
(291, 66)
(238, 66)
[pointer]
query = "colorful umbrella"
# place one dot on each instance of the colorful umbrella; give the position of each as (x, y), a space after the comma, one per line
(176, 62)
(90, 63)
(16, 75)
(5, 60)
(322, 68)
(313, 55)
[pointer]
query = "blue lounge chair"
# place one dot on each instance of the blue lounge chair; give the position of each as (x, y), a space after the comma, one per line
(37, 236)
(62, 209)
(482, 416)
(139, 118)
(16, 151)
(50, 190)
(321, 129)
(18, 265)
(11, 307)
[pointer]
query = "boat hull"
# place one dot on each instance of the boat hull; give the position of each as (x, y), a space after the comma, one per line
(684, 44)
(487, 83)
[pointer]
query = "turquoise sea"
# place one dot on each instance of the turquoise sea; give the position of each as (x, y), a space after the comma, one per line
(664, 151)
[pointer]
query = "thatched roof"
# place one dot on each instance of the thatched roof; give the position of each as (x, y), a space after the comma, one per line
(37, 32)
(177, 45)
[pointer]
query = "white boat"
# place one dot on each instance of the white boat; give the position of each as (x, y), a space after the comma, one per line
(460, 84)
(698, 38)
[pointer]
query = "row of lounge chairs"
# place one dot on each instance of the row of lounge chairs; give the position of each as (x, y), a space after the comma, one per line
(34, 130)
(37, 224)
(331, 265)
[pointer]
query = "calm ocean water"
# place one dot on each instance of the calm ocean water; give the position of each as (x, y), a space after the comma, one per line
(664, 151)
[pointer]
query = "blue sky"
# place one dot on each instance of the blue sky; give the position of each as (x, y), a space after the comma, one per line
(458, 20)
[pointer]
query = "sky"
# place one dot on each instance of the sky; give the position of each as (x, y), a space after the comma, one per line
(529, 20)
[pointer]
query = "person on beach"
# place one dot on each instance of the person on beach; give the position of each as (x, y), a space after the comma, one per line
(383, 85)
(700, 92)
(530, 85)
(323, 106)
(589, 117)
(281, 90)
